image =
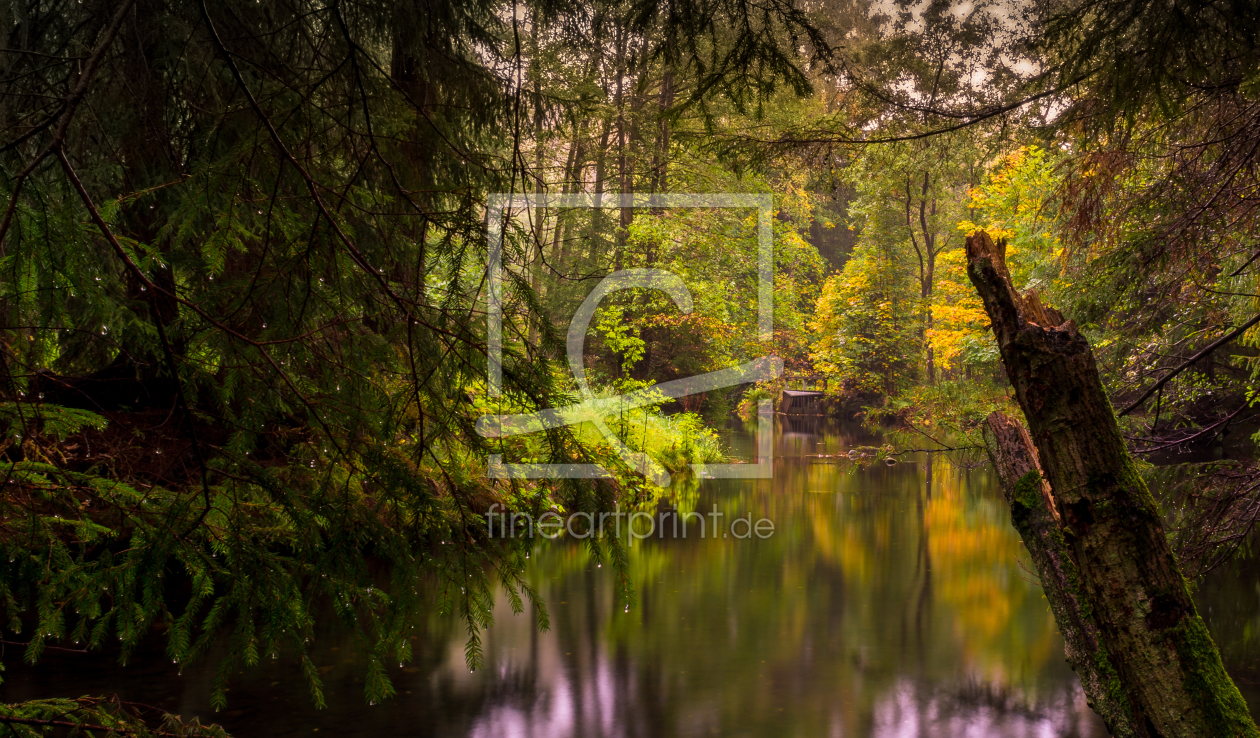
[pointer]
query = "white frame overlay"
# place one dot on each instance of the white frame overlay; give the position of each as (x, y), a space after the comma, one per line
(500, 207)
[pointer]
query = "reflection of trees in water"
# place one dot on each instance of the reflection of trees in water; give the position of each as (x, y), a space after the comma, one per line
(845, 433)
(889, 601)
(975, 707)
(800, 633)
(1228, 600)
(923, 559)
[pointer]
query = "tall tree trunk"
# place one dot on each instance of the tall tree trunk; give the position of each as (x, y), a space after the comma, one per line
(536, 262)
(660, 151)
(928, 283)
(571, 182)
(660, 156)
(623, 183)
(927, 266)
(929, 273)
(1169, 673)
(601, 177)
(574, 180)
(408, 70)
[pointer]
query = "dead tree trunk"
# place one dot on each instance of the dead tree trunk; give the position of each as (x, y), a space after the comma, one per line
(1169, 676)
(1034, 515)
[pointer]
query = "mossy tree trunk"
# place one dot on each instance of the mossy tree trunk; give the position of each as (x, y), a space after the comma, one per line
(1035, 517)
(1169, 677)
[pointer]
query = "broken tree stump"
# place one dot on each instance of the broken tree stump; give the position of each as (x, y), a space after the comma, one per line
(1169, 676)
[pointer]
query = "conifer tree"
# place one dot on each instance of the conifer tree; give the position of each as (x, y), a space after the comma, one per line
(242, 288)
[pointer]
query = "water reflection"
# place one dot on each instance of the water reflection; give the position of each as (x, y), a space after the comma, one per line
(890, 601)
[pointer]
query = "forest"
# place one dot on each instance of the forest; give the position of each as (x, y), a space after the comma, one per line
(266, 264)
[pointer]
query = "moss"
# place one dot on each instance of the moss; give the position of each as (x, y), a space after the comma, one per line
(1028, 503)
(1132, 480)
(1111, 680)
(1075, 587)
(1209, 684)
(1191, 586)
(1028, 490)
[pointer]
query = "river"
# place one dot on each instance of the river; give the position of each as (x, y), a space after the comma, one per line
(888, 601)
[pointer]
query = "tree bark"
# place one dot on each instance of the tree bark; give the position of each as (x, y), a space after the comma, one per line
(624, 182)
(537, 255)
(1168, 671)
(1034, 515)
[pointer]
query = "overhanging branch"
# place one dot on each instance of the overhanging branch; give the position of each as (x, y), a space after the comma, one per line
(1190, 362)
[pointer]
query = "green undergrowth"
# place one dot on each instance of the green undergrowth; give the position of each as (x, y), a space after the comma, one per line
(747, 409)
(948, 413)
(674, 440)
(677, 440)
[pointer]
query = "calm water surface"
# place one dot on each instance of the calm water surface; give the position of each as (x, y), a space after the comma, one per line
(890, 601)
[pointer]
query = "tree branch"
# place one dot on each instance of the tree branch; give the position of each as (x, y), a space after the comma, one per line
(1189, 362)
